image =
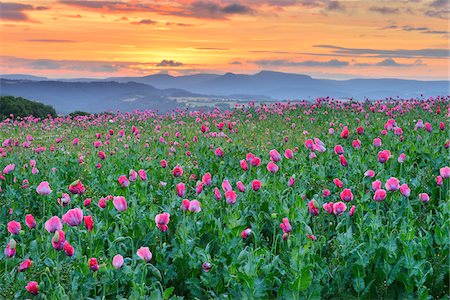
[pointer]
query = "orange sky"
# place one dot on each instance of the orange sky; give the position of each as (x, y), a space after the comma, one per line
(327, 39)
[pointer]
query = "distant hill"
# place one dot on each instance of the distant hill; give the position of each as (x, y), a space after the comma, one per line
(22, 77)
(67, 97)
(278, 85)
(21, 107)
(154, 91)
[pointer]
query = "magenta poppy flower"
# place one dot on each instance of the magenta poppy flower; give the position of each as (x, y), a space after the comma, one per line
(10, 249)
(240, 186)
(380, 195)
(338, 150)
(275, 156)
(272, 167)
(77, 187)
(58, 240)
(230, 197)
(246, 233)
(243, 164)
(93, 264)
(181, 189)
(68, 249)
(346, 195)
(256, 185)
(30, 221)
(32, 287)
(207, 179)
(313, 210)
(226, 186)
(392, 184)
(376, 185)
(328, 207)
(369, 173)
(26, 264)
(14, 227)
(286, 226)
(383, 156)
(424, 197)
(338, 183)
(288, 154)
(177, 171)
(123, 181)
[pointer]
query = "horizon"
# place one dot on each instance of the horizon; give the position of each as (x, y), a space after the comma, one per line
(343, 77)
(63, 39)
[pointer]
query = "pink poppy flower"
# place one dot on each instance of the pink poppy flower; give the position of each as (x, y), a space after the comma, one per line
(43, 188)
(256, 185)
(241, 186)
(383, 156)
(346, 195)
(392, 184)
(26, 264)
(123, 181)
(14, 227)
(73, 217)
(77, 187)
(230, 197)
(30, 221)
(32, 287)
(58, 240)
(380, 195)
(405, 190)
(144, 253)
(177, 171)
(117, 261)
(286, 226)
(339, 208)
(272, 167)
(275, 156)
(53, 224)
(162, 220)
(424, 197)
(246, 233)
(120, 203)
(194, 206)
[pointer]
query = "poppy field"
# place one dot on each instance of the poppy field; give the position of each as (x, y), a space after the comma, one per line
(298, 200)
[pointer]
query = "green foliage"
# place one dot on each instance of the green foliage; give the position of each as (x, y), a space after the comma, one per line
(21, 107)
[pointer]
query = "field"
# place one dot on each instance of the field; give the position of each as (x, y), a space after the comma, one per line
(330, 200)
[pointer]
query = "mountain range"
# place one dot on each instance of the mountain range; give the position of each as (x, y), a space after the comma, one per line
(159, 91)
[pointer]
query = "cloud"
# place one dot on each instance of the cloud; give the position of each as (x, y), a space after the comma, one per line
(211, 49)
(389, 62)
(50, 41)
(440, 4)
(169, 63)
(11, 62)
(178, 24)
(421, 29)
(429, 53)
(334, 63)
(11, 11)
(440, 13)
(196, 9)
(145, 22)
(235, 62)
(212, 10)
(384, 10)
(335, 6)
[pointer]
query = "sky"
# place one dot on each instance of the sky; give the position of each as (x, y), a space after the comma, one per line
(322, 38)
